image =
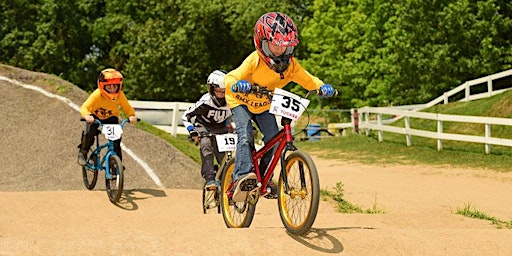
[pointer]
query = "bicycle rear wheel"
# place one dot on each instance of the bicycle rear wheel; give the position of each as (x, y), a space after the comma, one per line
(299, 207)
(114, 185)
(235, 214)
(89, 175)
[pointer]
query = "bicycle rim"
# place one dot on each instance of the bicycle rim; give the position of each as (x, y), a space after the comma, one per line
(235, 215)
(90, 176)
(299, 207)
(114, 185)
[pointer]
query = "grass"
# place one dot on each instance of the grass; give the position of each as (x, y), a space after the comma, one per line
(180, 142)
(469, 211)
(344, 206)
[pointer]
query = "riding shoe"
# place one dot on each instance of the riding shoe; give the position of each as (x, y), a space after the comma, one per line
(82, 155)
(243, 186)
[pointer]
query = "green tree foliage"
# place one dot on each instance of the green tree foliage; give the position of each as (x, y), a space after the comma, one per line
(375, 52)
(405, 52)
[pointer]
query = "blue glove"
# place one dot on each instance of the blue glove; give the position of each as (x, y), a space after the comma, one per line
(241, 86)
(327, 90)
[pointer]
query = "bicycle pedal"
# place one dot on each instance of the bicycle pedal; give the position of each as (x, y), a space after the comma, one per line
(249, 185)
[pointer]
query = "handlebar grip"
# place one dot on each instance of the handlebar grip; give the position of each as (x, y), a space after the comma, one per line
(319, 92)
(254, 88)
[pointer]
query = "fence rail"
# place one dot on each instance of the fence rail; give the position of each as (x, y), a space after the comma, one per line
(366, 124)
(410, 111)
(163, 115)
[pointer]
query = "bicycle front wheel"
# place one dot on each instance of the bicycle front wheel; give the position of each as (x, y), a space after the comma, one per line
(299, 205)
(114, 185)
(235, 214)
(90, 176)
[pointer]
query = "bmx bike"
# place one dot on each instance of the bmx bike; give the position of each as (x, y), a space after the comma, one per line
(106, 160)
(298, 188)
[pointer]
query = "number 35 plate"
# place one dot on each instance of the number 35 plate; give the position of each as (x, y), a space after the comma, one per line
(287, 104)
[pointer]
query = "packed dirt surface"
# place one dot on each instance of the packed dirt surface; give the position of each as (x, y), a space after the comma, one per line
(46, 210)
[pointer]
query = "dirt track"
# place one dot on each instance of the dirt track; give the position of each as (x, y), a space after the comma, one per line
(45, 210)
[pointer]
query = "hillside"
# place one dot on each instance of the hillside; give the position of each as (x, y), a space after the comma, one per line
(41, 134)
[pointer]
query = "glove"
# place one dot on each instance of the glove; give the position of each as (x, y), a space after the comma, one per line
(241, 86)
(327, 90)
(190, 128)
(194, 134)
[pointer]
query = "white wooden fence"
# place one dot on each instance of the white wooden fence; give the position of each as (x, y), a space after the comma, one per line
(163, 115)
(439, 134)
(365, 115)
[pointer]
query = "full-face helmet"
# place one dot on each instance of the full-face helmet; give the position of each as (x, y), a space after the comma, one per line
(110, 76)
(216, 80)
(278, 29)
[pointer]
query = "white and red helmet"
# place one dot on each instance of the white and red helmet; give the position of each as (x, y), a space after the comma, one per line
(279, 29)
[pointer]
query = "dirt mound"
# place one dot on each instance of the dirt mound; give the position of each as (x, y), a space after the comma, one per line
(40, 135)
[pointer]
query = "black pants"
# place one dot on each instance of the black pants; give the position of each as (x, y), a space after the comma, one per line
(91, 130)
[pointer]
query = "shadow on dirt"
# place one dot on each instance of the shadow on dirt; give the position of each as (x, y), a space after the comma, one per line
(318, 239)
(128, 199)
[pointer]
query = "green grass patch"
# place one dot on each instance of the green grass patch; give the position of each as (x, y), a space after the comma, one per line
(343, 205)
(180, 142)
(469, 211)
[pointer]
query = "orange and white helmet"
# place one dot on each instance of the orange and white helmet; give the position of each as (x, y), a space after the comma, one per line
(110, 76)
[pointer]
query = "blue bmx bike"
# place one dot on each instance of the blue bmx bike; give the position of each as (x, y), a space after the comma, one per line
(106, 160)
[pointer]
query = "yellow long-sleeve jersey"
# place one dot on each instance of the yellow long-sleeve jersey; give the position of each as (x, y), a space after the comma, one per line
(104, 108)
(255, 71)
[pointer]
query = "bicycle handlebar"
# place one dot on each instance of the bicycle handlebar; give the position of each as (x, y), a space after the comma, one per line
(257, 89)
(126, 120)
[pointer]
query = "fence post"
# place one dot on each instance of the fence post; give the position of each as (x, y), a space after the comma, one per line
(175, 116)
(439, 132)
(355, 116)
(487, 135)
(379, 123)
(407, 135)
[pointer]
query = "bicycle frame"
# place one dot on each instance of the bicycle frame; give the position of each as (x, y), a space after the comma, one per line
(284, 141)
(97, 151)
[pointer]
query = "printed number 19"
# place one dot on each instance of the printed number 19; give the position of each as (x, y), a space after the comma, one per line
(230, 141)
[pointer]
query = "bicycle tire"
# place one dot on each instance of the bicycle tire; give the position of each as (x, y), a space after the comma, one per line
(235, 214)
(114, 185)
(90, 176)
(299, 207)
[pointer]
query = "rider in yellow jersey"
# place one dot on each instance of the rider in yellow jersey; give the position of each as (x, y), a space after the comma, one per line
(271, 65)
(103, 104)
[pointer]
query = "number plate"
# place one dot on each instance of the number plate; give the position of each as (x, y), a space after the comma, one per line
(287, 104)
(112, 131)
(226, 142)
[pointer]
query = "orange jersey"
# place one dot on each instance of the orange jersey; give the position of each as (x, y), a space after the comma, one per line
(255, 71)
(104, 108)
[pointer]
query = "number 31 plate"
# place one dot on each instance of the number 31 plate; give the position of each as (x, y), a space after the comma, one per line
(287, 104)
(112, 131)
